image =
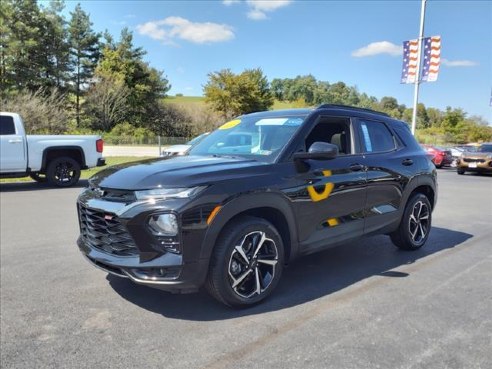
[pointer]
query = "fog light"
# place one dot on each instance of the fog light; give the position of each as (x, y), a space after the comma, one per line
(164, 224)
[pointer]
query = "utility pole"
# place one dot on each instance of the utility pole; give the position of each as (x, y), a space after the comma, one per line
(417, 76)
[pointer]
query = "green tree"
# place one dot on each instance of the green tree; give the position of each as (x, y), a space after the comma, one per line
(168, 120)
(232, 95)
(56, 48)
(84, 52)
(146, 85)
(20, 46)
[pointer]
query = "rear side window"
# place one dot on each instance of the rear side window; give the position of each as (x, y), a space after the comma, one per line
(7, 126)
(376, 137)
(405, 135)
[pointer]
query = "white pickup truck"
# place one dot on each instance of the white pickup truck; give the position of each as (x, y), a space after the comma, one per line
(55, 159)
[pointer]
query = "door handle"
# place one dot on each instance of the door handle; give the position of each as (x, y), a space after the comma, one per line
(356, 167)
(15, 141)
(407, 162)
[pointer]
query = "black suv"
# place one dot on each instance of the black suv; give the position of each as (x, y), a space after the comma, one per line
(254, 195)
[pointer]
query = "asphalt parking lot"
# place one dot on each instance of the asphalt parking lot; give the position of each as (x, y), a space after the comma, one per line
(361, 305)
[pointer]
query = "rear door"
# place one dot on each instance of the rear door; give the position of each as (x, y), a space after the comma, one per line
(12, 146)
(389, 168)
(329, 196)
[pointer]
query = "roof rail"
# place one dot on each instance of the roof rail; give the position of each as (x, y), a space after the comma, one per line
(339, 106)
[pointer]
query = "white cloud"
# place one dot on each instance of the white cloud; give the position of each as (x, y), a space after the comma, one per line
(171, 28)
(230, 2)
(256, 15)
(380, 47)
(459, 63)
(260, 8)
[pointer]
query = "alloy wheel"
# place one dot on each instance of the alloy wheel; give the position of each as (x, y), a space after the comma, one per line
(64, 172)
(419, 222)
(252, 265)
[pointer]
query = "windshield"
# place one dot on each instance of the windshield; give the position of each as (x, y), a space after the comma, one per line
(197, 139)
(485, 148)
(258, 137)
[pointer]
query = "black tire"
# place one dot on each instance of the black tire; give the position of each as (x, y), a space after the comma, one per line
(63, 172)
(415, 224)
(38, 177)
(460, 171)
(256, 276)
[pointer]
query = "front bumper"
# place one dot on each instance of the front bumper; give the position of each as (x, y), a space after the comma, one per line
(167, 272)
(115, 238)
(475, 166)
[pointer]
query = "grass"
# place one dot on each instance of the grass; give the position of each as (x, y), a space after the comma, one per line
(200, 100)
(113, 160)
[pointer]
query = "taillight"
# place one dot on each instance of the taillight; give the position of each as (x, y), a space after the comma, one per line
(99, 145)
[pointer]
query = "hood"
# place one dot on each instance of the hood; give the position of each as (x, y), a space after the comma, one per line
(477, 155)
(176, 171)
(177, 148)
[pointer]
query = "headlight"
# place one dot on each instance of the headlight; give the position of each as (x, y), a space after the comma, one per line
(164, 224)
(168, 193)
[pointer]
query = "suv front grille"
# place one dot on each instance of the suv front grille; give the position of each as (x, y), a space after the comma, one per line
(105, 232)
(468, 160)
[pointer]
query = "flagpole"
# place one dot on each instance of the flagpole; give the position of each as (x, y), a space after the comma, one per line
(417, 76)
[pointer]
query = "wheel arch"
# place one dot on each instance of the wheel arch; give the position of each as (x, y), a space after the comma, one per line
(425, 185)
(272, 207)
(74, 152)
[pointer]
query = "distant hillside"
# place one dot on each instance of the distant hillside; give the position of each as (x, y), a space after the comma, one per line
(200, 100)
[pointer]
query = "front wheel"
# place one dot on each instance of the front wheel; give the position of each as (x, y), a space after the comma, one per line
(460, 171)
(63, 172)
(415, 224)
(247, 262)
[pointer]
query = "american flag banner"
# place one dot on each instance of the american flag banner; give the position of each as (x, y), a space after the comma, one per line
(409, 69)
(432, 58)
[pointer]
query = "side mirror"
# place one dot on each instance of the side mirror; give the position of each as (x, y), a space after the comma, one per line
(317, 151)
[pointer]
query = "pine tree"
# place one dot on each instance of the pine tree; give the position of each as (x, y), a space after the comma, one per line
(84, 52)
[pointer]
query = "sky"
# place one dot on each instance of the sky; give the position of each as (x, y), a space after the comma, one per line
(357, 42)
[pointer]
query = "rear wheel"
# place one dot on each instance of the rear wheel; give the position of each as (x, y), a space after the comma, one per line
(63, 172)
(247, 262)
(415, 224)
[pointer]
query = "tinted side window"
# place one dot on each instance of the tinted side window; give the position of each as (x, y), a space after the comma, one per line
(7, 126)
(331, 130)
(376, 137)
(403, 131)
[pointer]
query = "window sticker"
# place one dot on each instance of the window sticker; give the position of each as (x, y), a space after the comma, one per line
(367, 139)
(271, 122)
(230, 124)
(291, 122)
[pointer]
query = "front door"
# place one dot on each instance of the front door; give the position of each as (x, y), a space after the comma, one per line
(329, 195)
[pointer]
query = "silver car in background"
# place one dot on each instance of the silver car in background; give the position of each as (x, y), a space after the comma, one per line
(179, 150)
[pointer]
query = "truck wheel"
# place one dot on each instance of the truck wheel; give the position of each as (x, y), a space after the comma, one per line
(415, 224)
(246, 263)
(63, 172)
(38, 177)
